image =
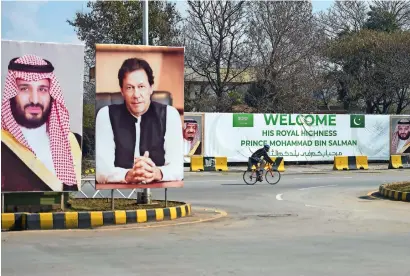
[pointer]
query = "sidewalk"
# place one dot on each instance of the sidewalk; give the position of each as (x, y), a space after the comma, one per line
(302, 169)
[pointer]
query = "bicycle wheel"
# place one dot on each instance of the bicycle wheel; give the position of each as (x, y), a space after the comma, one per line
(272, 176)
(250, 177)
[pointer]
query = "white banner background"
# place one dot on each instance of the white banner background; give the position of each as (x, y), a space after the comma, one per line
(222, 139)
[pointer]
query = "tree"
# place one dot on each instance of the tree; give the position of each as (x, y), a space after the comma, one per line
(217, 48)
(342, 17)
(258, 97)
(374, 66)
(381, 20)
(394, 66)
(399, 9)
(360, 53)
(286, 40)
(120, 22)
(88, 129)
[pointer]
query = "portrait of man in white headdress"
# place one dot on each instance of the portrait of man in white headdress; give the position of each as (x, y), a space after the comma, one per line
(400, 138)
(192, 137)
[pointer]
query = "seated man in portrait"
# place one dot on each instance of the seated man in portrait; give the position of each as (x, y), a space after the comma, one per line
(36, 128)
(138, 141)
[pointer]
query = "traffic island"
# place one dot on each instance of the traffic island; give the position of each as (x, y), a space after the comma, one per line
(399, 191)
(95, 212)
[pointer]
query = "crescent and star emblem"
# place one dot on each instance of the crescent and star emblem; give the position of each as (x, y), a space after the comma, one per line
(356, 123)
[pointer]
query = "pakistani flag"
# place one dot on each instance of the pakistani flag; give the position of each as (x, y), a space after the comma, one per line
(357, 121)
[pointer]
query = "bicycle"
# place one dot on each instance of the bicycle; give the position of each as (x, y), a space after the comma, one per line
(250, 176)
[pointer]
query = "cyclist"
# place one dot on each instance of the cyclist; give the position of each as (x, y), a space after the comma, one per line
(260, 156)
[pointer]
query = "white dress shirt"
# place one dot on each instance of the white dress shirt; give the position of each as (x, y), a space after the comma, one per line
(38, 140)
(106, 172)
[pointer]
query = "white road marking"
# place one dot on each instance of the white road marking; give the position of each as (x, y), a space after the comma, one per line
(317, 187)
(311, 178)
(314, 206)
(279, 197)
(205, 181)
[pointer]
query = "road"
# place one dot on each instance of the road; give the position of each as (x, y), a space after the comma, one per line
(317, 224)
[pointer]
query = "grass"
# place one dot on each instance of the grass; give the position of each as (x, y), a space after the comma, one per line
(399, 186)
(104, 204)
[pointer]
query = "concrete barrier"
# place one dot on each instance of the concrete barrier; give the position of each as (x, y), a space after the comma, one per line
(89, 171)
(221, 163)
(197, 163)
(201, 163)
(399, 162)
(279, 164)
(347, 163)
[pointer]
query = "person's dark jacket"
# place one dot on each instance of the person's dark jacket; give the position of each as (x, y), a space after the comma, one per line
(262, 152)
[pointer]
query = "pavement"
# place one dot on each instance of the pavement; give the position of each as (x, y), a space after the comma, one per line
(89, 191)
(319, 224)
(301, 169)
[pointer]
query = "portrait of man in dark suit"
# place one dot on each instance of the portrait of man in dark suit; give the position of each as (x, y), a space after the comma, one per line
(138, 141)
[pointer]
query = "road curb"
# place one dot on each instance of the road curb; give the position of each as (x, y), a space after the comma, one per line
(90, 219)
(392, 194)
(220, 214)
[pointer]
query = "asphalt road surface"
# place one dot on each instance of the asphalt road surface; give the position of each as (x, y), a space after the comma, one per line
(316, 224)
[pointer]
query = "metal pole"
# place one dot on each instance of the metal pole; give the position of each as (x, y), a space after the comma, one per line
(145, 22)
(112, 200)
(2, 202)
(62, 202)
(146, 192)
(166, 200)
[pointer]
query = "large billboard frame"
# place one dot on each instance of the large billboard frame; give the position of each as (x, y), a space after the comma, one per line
(42, 91)
(167, 67)
(396, 118)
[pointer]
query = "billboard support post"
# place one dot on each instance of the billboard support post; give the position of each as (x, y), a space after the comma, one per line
(112, 200)
(166, 199)
(62, 202)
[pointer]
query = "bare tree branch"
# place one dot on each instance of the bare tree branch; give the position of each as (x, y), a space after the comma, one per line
(216, 44)
(285, 37)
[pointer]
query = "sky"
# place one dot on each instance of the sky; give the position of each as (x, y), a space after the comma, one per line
(46, 21)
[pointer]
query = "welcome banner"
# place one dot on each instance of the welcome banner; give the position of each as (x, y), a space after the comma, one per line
(297, 137)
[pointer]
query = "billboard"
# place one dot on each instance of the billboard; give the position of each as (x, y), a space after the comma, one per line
(193, 133)
(139, 115)
(41, 116)
(297, 137)
(399, 135)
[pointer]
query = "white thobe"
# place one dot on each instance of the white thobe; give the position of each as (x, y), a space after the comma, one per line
(38, 140)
